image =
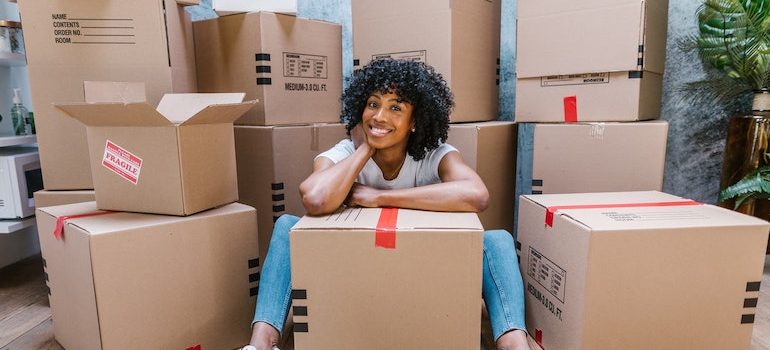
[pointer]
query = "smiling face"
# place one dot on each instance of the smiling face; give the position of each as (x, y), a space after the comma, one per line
(387, 120)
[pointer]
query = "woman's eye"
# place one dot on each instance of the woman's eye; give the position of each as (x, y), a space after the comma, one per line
(372, 105)
(395, 108)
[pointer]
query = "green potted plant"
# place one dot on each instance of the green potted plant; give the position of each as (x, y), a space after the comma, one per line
(734, 38)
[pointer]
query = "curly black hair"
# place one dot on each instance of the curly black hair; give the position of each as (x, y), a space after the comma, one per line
(414, 82)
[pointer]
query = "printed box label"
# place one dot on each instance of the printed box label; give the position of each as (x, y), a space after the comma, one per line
(297, 65)
(546, 273)
(575, 79)
(419, 56)
(122, 162)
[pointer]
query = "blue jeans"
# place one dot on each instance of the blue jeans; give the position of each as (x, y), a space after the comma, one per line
(502, 287)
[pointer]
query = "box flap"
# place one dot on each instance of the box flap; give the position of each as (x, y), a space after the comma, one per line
(180, 107)
(637, 210)
(114, 91)
(407, 219)
(579, 42)
(115, 114)
(222, 113)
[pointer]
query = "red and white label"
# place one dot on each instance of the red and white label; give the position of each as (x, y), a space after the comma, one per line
(122, 162)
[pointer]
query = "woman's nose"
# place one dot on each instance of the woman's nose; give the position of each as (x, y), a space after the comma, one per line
(379, 114)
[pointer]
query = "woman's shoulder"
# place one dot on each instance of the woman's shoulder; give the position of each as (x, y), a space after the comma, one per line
(340, 151)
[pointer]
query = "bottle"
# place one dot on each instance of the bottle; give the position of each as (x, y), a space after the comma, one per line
(31, 123)
(18, 114)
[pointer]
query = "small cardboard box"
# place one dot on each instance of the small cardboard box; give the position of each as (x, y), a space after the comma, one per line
(490, 149)
(387, 279)
(460, 39)
(177, 160)
(69, 42)
(570, 67)
(229, 7)
(137, 281)
(639, 271)
(272, 161)
(46, 198)
(292, 65)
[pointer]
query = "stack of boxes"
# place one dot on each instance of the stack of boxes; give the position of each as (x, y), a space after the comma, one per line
(587, 97)
(461, 40)
(194, 270)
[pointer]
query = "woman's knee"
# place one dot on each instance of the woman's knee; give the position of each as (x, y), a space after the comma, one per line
(498, 239)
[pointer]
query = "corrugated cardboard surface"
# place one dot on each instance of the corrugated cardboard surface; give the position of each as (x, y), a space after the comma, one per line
(272, 161)
(229, 7)
(627, 273)
(490, 149)
(160, 58)
(606, 96)
(568, 51)
(46, 198)
(461, 39)
(186, 168)
(136, 281)
(415, 296)
(598, 157)
(293, 66)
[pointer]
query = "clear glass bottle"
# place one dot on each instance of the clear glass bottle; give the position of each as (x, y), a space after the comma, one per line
(19, 114)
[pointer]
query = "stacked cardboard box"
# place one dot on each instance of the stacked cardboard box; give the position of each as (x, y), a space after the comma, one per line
(69, 42)
(461, 39)
(293, 66)
(618, 271)
(598, 102)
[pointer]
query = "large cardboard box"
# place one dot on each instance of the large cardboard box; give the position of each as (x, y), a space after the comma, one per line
(138, 281)
(371, 278)
(490, 149)
(229, 7)
(272, 161)
(292, 65)
(639, 271)
(68, 42)
(461, 39)
(592, 60)
(590, 157)
(177, 160)
(46, 198)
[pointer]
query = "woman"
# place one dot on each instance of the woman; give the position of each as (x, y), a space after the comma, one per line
(397, 114)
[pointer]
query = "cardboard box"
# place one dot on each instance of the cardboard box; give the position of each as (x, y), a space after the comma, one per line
(639, 270)
(68, 42)
(373, 279)
(590, 157)
(229, 7)
(461, 39)
(610, 75)
(177, 160)
(46, 198)
(138, 281)
(272, 162)
(490, 149)
(293, 66)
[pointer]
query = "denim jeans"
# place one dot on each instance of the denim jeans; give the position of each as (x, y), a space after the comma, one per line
(502, 287)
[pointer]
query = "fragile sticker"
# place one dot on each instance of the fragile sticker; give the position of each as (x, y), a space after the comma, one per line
(122, 162)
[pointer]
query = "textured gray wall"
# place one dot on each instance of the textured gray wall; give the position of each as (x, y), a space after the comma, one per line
(697, 131)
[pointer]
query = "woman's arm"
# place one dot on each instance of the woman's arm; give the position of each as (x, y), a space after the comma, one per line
(461, 189)
(329, 184)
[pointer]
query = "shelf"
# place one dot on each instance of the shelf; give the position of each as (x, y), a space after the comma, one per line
(6, 141)
(12, 59)
(11, 226)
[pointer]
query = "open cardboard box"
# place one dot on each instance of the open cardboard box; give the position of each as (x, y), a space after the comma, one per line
(177, 160)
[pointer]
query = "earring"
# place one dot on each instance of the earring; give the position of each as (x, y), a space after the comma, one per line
(413, 129)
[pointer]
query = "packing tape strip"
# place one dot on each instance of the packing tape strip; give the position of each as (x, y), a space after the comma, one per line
(550, 211)
(194, 347)
(385, 234)
(58, 231)
(570, 109)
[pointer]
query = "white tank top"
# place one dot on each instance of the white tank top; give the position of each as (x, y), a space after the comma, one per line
(412, 174)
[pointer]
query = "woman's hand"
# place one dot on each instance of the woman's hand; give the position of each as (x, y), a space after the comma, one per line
(363, 196)
(358, 135)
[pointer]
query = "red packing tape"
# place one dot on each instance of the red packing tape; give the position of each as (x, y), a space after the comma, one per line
(552, 209)
(58, 231)
(570, 109)
(194, 347)
(385, 235)
(539, 337)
